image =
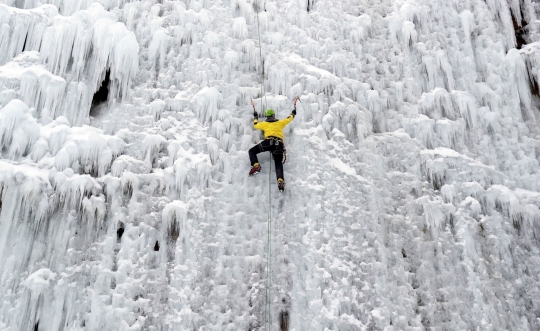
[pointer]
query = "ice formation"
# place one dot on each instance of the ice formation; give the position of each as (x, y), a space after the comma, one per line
(413, 190)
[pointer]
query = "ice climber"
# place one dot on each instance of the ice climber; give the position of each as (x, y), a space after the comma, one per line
(273, 142)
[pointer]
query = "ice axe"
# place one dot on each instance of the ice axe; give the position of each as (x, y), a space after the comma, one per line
(254, 111)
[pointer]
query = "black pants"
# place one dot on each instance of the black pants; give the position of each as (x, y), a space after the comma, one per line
(273, 146)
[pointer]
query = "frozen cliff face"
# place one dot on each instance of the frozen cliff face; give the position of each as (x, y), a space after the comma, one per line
(412, 198)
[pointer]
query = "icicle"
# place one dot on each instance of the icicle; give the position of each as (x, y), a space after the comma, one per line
(129, 183)
(45, 91)
(295, 90)
(472, 189)
(88, 152)
(518, 70)
(505, 198)
(132, 11)
(213, 147)
(374, 105)
(308, 106)
(327, 123)
(158, 48)
(57, 133)
(40, 150)
(231, 59)
(358, 34)
(473, 205)
(206, 104)
(239, 28)
(467, 21)
(437, 104)
(395, 25)
(6, 96)
(126, 65)
(466, 104)
(218, 129)
(127, 163)
(448, 192)
(436, 213)
(191, 170)
(446, 67)
(364, 123)
(516, 206)
(18, 129)
(152, 145)
(157, 107)
(501, 10)
(68, 8)
(205, 18)
(312, 85)
(516, 10)
(176, 229)
(212, 39)
(246, 9)
(94, 209)
(66, 37)
(530, 52)
(26, 26)
(409, 33)
(73, 189)
(399, 92)
(78, 96)
(449, 132)
(116, 48)
(276, 39)
(421, 128)
(310, 49)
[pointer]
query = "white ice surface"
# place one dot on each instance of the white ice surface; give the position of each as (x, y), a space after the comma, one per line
(412, 198)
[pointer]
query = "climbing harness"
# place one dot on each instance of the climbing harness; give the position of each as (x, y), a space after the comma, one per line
(276, 141)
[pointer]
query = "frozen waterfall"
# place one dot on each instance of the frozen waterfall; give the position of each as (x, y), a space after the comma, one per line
(413, 183)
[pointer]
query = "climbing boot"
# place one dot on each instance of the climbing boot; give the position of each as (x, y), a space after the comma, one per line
(281, 184)
(255, 169)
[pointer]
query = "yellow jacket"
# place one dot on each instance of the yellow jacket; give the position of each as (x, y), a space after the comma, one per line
(272, 129)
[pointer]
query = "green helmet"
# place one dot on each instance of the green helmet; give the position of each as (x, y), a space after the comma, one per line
(269, 112)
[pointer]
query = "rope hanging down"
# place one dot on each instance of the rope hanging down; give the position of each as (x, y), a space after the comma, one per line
(263, 90)
(267, 320)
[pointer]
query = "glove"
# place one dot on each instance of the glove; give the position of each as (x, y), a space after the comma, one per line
(294, 112)
(255, 114)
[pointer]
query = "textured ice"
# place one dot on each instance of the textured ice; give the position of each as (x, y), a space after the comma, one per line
(79, 48)
(412, 198)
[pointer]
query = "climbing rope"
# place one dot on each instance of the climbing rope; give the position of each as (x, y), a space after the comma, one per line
(268, 255)
(267, 320)
(263, 91)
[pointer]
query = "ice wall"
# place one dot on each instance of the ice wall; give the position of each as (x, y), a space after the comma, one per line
(413, 192)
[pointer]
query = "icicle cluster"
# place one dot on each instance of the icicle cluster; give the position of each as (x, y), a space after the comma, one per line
(75, 53)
